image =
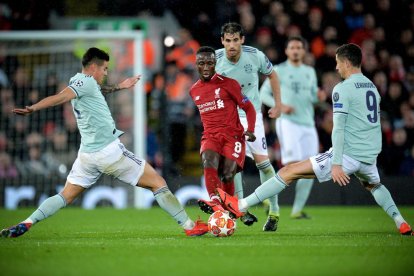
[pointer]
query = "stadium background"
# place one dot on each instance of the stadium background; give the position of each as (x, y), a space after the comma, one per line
(383, 28)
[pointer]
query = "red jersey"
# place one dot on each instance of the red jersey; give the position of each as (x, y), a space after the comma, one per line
(217, 102)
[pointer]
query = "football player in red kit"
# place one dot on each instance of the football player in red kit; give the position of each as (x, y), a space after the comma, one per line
(223, 141)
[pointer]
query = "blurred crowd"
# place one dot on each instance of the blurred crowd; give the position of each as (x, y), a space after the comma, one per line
(47, 142)
(383, 28)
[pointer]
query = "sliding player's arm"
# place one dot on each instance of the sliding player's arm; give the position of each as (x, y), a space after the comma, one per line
(128, 83)
(340, 115)
(64, 96)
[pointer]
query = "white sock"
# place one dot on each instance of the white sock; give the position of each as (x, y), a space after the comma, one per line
(303, 189)
(271, 187)
(48, 207)
(266, 172)
(383, 197)
(167, 201)
(215, 197)
(238, 185)
(189, 224)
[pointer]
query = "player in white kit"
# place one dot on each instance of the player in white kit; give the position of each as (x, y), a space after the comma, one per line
(356, 143)
(295, 128)
(101, 151)
(244, 63)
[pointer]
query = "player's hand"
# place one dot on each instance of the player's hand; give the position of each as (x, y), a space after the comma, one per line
(287, 109)
(322, 96)
(275, 112)
(339, 176)
(250, 136)
(23, 111)
(129, 82)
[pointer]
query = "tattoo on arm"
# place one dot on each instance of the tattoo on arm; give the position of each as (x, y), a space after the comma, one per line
(106, 89)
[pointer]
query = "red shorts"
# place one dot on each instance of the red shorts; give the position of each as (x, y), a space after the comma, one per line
(231, 147)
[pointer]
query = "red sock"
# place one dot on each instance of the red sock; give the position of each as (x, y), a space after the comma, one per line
(212, 181)
(229, 187)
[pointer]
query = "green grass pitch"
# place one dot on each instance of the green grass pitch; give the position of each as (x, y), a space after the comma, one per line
(336, 241)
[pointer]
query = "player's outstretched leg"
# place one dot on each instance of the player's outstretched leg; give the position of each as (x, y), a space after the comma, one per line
(238, 185)
(210, 206)
(231, 203)
(169, 203)
(248, 218)
(383, 198)
(271, 223)
(45, 210)
(266, 172)
(16, 230)
(212, 181)
(406, 229)
(237, 207)
(302, 191)
(200, 228)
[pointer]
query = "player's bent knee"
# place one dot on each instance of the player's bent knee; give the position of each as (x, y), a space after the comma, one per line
(227, 177)
(151, 179)
(152, 183)
(207, 163)
(70, 192)
(370, 187)
(287, 173)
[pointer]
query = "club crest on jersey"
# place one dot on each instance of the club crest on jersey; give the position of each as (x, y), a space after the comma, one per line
(78, 83)
(248, 68)
(217, 93)
(197, 98)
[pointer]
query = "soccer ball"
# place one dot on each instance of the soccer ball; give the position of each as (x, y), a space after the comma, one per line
(220, 224)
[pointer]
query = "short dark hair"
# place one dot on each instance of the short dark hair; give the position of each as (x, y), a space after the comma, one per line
(232, 28)
(94, 55)
(206, 49)
(296, 38)
(351, 52)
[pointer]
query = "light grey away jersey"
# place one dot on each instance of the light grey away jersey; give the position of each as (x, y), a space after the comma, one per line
(358, 99)
(93, 117)
(252, 61)
(298, 88)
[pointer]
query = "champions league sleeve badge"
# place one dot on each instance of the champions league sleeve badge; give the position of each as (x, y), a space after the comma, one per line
(335, 96)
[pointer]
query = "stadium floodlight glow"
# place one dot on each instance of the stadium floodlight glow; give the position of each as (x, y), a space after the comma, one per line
(169, 41)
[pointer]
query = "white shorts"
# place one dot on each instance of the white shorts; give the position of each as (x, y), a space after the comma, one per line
(322, 166)
(259, 146)
(114, 160)
(297, 142)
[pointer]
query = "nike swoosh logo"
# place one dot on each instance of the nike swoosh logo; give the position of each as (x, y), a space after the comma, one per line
(231, 207)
